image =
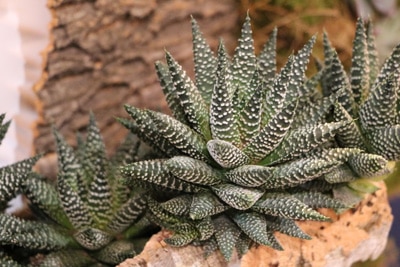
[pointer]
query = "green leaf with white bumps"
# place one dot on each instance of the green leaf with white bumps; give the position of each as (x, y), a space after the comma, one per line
(179, 205)
(372, 52)
(206, 204)
(193, 170)
(286, 206)
(368, 165)
(318, 200)
(255, 226)
(190, 98)
(226, 154)
(204, 63)
(267, 58)
(285, 226)
(385, 141)
(226, 234)
(237, 197)
(249, 175)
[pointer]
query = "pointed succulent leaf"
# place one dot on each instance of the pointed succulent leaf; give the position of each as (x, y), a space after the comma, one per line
(267, 58)
(206, 204)
(193, 170)
(359, 64)
(190, 98)
(249, 175)
(244, 60)
(276, 94)
(347, 195)
(155, 172)
(240, 198)
(340, 174)
(338, 81)
(226, 154)
(385, 142)
(363, 186)
(299, 171)
(286, 206)
(12, 178)
(226, 234)
(204, 63)
(286, 226)
(243, 244)
(31, 234)
(350, 135)
(127, 214)
(390, 69)
(116, 252)
(255, 226)
(44, 196)
(180, 135)
(73, 205)
(300, 62)
(205, 228)
(309, 86)
(317, 200)
(222, 118)
(272, 134)
(179, 205)
(250, 116)
(372, 53)
(182, 238)
(302, 140)
(147, 130)
(368, 165)
(92, 238)
(379, 109)
(169, 92)
(328, 57)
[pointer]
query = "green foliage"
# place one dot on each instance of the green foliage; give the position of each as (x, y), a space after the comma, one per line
(82, 218)
(249, 151)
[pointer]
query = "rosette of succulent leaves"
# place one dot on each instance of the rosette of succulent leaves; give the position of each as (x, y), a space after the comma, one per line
(86, 219)
(248, 151)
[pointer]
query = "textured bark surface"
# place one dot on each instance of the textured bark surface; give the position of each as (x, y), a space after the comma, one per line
(102, 53)
(358, 234)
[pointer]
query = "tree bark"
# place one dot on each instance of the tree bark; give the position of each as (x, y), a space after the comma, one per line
(102, 53)
(356, 235)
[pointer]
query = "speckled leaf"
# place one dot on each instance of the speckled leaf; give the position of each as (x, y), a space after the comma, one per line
(222, 117)
(299, 171)
(372, 52)
(204, 63)
(67, 258)
(285, 226)
(390, 69)
(44, 196)
(240, 198)
(249, 175)
(147, 130)
(385, 142)
(31, 235)
(347, 195)
(318, 200)
(154, 171)
(92, 238)
(286, 206)
(3, 126)
(272, 134)
(206, 204)
(359, 64)
(267, 58)
(226, 154)
(180, 135)
(181, 239)
(350, 135)
(244, 60)
(340, 174)
(302, 140)
(193, 170)
(190, 98)
(12, 177)
(171, 97)
(255, 226)
(179, 205)
(226, 234)
(127, 214)
(379, 109)
(368, 165)
(205, 228)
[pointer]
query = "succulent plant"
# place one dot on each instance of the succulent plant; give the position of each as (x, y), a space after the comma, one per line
(86, 218)
(248, 151)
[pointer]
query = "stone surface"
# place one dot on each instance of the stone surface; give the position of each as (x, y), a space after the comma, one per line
(356, 235)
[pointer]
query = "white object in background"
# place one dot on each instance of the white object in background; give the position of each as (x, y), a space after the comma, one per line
(24, 34)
